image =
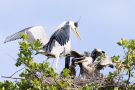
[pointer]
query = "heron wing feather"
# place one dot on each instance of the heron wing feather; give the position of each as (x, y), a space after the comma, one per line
(15, 35)
(61, 36)
(34, 33)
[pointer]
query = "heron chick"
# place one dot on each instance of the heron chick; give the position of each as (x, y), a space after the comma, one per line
(89, 67)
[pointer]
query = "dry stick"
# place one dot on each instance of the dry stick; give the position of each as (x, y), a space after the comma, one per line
(10, 77)
(17, 71)
(129, 76)
(13, 74)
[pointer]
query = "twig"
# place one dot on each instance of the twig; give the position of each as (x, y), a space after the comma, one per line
(17, 72)
(129, 75)
(10, 77)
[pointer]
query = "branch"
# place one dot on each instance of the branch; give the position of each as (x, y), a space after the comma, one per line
(11, 77)
(17, 72)
(13, 74)
(129, 75)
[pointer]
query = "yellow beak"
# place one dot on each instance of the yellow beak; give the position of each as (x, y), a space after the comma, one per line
(76, 33)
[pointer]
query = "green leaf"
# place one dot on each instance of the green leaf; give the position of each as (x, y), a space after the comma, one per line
(65, 72)
(122, 42)
(36, 45)
(115, 58)
(24, 36)
(60, 83)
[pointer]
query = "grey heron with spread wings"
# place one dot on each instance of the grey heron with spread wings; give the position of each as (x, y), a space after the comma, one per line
(58, 44)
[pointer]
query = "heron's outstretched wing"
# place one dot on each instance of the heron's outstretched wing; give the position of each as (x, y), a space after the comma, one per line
(15, 35)
(61, 36)
(105, 61)
(75, 54)
(34, 33)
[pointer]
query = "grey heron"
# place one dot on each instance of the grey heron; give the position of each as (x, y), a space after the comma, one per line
(89, 68)
(59, 42)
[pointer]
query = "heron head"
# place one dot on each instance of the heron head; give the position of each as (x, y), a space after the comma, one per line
(74, 27)
(96, 53)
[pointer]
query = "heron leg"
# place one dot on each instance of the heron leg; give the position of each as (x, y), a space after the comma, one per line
(67, 61)
(52, 63)
(56, 64)
(79, 75)
(46, 60)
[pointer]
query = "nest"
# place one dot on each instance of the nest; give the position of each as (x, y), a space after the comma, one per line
(77, 82)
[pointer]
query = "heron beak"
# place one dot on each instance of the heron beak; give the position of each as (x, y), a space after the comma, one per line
(76, 33)
(74, 27)
(81, 61)
(111, 66)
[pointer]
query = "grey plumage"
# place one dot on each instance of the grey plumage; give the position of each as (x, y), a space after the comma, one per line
(34, 33)
(89, 68)
(16, 36)
(58, 44)
(62, 36)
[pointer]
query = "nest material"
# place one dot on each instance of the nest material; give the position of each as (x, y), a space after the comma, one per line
(77, 82)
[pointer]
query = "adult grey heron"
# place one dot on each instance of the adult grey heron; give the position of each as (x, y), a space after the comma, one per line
(89, 67)
(58, 44)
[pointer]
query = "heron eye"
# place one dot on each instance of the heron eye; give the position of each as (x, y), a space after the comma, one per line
(76, 24)
(103, 52)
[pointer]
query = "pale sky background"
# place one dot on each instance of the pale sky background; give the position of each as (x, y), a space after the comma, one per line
(102, 24)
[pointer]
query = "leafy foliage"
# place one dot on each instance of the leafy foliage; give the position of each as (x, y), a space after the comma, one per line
(125, 67)
(40, 76)
(65, 72)
(35, 75)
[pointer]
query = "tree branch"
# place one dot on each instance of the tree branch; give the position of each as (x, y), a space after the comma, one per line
(11, 77)
(17, 71)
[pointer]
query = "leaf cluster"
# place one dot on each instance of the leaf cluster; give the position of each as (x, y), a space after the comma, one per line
(40, 76)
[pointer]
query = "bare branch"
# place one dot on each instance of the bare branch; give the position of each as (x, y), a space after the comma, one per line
(11, 77)
(17, 71)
